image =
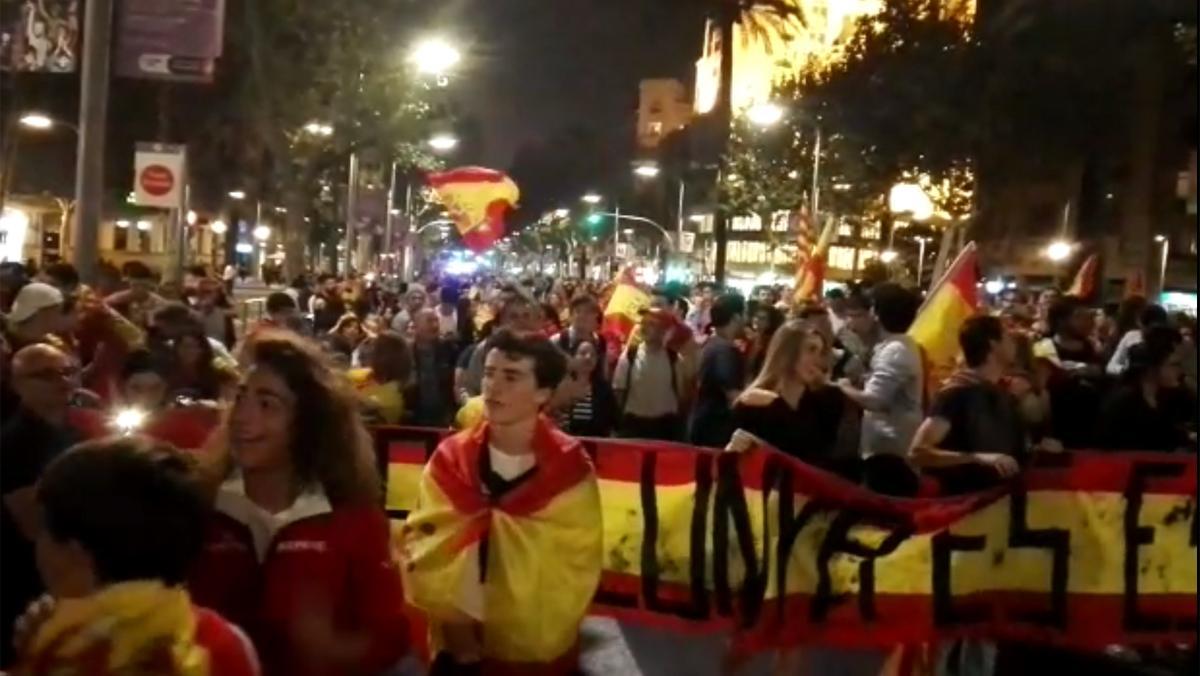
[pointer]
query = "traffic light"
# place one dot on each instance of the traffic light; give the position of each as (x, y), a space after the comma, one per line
(594, 220)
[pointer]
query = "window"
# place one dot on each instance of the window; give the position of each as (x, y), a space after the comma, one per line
(144, 241)
(780, 221)
(656, 128)
(870, 231)
(841, 257)
(845, 230)
(120, 238)
(745, 224)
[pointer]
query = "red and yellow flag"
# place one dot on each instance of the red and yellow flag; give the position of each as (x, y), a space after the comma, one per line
(935, 330)
(811, 277)
(624, 306)
(538, 543)
(1084, 286)
(477, 199)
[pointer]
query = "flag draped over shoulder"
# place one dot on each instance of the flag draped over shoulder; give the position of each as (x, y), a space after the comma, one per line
(132, 627)
(935, 330)
(541, 538)
(1084, 286)
(477, 199)
(624, 307)
(811, 276)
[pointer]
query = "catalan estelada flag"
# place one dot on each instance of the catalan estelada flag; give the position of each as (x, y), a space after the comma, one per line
(520, 557)
(1084, 286)
(624, 306)
(477, 200)
(811, 277)
(950, 303)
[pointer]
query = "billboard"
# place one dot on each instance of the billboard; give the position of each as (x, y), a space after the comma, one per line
(39, 36)
(174, 40)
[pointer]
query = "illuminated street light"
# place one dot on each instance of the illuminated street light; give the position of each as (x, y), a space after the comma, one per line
(122, 223)
(435, 56)
(912, 200)
(36, 121)
(218, 227)
(697, 218)
(237, 194)
(144, 226)
(646, 170)
(1160, 239)
(319, 128)
(262, 233)
(443, 142)
(888, 256)
(764, 114)
(562, 213)
(592, 198)
(1059, 250)
(191, 217)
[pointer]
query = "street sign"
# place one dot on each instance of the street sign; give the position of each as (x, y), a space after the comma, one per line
(158, 175)
(687, 242)
(622, 250)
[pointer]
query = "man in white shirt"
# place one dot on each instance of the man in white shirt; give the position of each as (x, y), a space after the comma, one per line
(414, 301)
(1152, 315)
(647, 384)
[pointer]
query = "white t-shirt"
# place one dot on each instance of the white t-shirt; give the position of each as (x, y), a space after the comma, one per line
(470, 596)
(653, 392)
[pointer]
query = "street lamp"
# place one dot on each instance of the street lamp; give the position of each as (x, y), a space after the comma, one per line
(1162, 268)
(592, 198)
(562, 213)
(646, 170)
(319, 128)
(765, 114)
(191, 217)
(237, 194)
(218, 227)
(443, 142)
(435, 56)
(1059, 250)
(262, 233)
(921, 258)
(36, 121)
(888, 256)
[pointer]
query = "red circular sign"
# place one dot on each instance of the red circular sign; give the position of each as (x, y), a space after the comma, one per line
(157, 180)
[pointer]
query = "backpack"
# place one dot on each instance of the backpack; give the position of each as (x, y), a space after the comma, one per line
(631, 357)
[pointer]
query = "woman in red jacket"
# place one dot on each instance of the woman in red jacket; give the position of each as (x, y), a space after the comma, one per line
(298, 549)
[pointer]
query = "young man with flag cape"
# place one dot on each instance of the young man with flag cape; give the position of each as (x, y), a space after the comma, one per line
(503, 552)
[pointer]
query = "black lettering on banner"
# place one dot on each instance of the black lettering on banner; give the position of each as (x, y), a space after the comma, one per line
(790, 526)
(945, 613)
(837, 540)
(1058, 541)
(1137, 536)
(730, 504)
(698, 608)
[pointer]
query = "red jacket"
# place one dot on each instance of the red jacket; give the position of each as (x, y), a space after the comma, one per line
(229, 651)
(335, 560)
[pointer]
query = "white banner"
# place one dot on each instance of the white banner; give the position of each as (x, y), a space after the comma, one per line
(158, 175)
(687, 242)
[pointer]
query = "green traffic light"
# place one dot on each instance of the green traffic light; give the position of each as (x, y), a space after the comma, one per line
(594, 219)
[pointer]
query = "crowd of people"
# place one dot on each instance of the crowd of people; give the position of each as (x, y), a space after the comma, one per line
(273, 522)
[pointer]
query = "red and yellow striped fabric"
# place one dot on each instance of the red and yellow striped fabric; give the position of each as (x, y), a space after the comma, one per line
(477, 200)
(935, 329)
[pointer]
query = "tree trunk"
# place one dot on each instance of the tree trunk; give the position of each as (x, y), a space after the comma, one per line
(723, 117)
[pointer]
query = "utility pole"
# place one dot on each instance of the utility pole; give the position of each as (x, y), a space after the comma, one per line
(351, 210)
(389, 224)
(93, 113)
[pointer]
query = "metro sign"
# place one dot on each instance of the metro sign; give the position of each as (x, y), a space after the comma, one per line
(158, 170)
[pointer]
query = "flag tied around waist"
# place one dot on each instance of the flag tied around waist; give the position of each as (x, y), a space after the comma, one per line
(1083, 550)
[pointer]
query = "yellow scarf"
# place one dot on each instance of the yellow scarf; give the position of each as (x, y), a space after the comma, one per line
(127, 629)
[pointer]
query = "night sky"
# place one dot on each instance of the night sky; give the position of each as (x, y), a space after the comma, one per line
(535, 66)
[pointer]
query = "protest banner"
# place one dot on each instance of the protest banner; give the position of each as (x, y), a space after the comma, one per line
(1084, 550)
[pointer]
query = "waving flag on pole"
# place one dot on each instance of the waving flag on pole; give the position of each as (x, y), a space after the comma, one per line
(624, 306)
(935, 330)
(811, 276)
(477, 199)
(1084, 286)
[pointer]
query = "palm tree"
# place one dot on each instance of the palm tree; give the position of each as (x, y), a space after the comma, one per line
(759, 19)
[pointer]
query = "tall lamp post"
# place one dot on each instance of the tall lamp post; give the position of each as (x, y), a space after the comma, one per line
(1162, 268)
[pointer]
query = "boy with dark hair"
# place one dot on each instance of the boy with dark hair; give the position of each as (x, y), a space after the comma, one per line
(974, 436)
(503, 552)
(585, 322)
(891, 396)
(721, 376)
(123, 521)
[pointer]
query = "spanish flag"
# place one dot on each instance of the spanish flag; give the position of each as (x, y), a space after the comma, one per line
(477, 200)
(935, 330)
(1084, 286)
(812, 276)
(519, 558)
(624, 307)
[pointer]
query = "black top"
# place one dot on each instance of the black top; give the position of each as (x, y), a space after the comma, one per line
(721, 369)
(27, 445)
(983, 418)
(1075, 399)
(595, 415)
(1129, 423)
(808, 432)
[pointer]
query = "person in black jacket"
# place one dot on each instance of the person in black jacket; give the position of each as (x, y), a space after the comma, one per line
(1146, 411)
(591, 411)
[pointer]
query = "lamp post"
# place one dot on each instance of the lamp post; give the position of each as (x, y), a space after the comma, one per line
(1162, 268)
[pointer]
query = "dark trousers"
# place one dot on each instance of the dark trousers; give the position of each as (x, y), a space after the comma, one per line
(663, 428)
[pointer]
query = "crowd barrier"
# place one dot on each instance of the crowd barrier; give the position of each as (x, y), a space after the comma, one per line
(1084, 550)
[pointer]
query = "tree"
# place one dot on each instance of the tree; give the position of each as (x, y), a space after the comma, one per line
(332, 64)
